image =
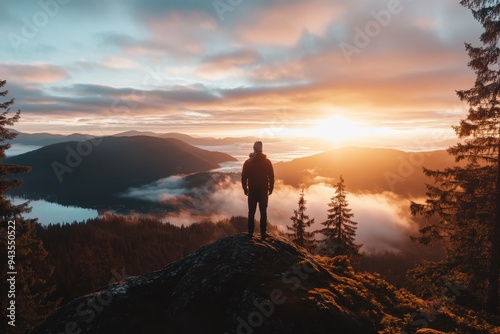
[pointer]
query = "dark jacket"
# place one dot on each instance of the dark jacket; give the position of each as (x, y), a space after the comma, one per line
(258, 174)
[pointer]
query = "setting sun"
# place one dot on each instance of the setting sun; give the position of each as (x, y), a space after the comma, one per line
(337, 128)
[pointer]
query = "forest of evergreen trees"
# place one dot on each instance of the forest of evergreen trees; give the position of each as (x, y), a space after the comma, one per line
(87, 255)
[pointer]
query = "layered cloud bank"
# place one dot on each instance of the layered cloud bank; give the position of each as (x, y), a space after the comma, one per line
(230, 67)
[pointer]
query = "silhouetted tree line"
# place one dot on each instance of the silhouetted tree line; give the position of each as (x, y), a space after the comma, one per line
(393, 266)
(87, 255)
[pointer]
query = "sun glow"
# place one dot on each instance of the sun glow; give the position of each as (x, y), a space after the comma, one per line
(337, 128)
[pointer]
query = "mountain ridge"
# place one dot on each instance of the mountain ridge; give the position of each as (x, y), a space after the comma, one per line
(366, 169)
(46, 138)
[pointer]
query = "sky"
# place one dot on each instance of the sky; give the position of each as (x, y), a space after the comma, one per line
(370, 71)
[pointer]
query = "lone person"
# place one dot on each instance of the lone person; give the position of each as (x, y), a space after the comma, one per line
(257, 179)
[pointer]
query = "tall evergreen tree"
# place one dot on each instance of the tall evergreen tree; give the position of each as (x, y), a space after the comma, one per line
(340, 230)
(7, 209)
(466, 198)
(486, 63)
(33, 270)
(300, 222)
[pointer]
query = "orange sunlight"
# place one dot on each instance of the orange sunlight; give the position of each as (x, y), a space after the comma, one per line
(337, 128)
(340, 129)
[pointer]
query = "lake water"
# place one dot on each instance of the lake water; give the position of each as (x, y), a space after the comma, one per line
(16, 149)
(52, 213)
(46, 212)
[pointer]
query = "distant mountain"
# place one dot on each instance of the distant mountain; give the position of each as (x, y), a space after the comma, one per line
(95, 171)
(44, 139)
(134, 133)
(200, 141)
(366, 169)
(237, 285)
(173, 135)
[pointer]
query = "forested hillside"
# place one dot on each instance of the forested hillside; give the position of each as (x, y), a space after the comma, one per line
(96, 171)
(89, 254)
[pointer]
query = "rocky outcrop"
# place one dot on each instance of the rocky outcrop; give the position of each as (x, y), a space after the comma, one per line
(237, 285)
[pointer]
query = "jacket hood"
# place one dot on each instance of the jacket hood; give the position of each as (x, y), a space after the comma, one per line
(257, 156)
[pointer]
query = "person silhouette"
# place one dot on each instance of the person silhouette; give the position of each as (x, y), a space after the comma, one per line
(257, 179)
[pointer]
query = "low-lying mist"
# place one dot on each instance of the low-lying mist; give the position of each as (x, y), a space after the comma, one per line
(384, 221)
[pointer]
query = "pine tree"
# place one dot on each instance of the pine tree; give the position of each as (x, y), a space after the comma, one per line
(466, 198)
(488, 13)
(31, 265)
(300, 222)
(7, 209)
(339, 230)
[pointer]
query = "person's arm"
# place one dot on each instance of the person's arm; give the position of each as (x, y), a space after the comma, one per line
(270, 177)
(244, 178)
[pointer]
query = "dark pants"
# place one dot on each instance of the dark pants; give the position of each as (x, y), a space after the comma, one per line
(253, 199)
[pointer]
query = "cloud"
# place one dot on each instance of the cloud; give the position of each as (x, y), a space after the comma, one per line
(266, 58)
(32, 73)
(227, 63)
(172, 34)
(159, 8)
(285, 106)
(384, 222)
(279, 71)
(121, 63)
(106, 100)
(282, 23)
(110, 63)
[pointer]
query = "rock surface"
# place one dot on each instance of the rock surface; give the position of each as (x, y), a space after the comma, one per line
(237, 285)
